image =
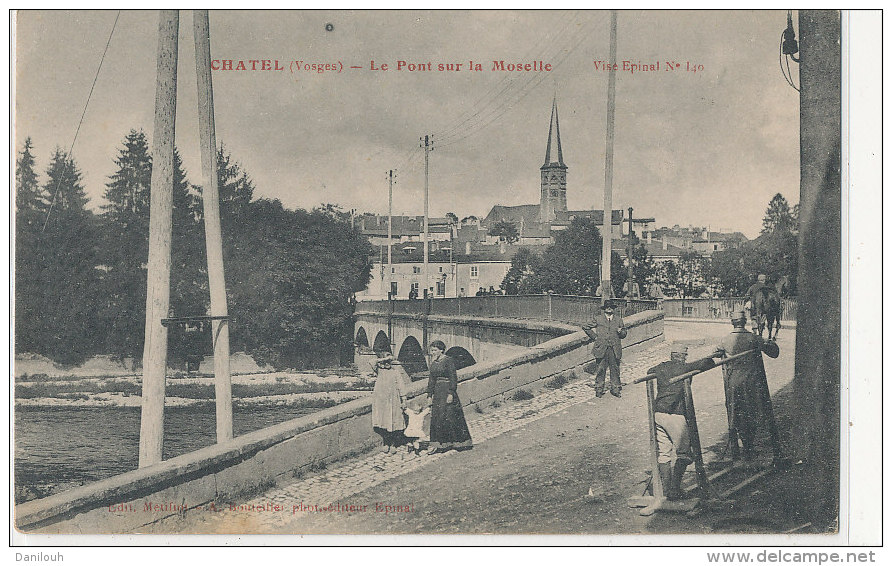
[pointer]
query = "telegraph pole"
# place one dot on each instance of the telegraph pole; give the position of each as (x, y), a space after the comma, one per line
(213, 232)
(427, 295)
(390, 235)
(629, 256)
(427, 151)
(154, 358)
(607, 231)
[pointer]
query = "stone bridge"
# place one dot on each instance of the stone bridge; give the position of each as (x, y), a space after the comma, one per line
(474, 329)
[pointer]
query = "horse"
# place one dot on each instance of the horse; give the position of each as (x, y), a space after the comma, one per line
(766, 310)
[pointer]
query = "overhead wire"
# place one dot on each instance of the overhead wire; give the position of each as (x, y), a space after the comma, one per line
(508, 100)
(495, 92)
(532, 82)
(68, 156)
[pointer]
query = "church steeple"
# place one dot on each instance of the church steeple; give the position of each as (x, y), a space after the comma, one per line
(554, 173)
(554, 130)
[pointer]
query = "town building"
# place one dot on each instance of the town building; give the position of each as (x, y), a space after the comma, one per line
(458, 272)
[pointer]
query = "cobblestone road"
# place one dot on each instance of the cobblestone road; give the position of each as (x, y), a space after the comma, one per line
(533, 461)
(342, 480)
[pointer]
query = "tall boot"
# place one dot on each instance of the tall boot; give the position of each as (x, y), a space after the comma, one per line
(677, 475)
(665, 469)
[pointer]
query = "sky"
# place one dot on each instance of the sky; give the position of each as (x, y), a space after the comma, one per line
(705, 148)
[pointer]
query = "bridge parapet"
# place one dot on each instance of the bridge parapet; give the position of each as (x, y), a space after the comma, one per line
(570, 309)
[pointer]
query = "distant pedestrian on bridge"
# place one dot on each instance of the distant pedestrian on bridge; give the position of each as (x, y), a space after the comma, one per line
(746, 388)
(448, 426)
(607, 331)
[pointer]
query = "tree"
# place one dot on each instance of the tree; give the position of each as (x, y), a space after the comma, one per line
(125, 240)
(453, 218)
(291, 279)
(774, 253)
(523, 266)
(505, 230)
(690, 279)
(31, 204)
(31, 198)
(778, 217)
(66, 261)
(570, 266)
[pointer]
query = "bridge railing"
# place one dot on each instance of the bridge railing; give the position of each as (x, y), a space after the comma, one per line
(559, 308)
(719, 308)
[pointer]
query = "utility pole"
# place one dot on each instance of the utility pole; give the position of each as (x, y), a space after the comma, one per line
(154, 358)
(390, 262)
(631, 281)
(819, 310)
(607, 231)
(427, 294)
(213, 232)
(427, 150)
(390, 235)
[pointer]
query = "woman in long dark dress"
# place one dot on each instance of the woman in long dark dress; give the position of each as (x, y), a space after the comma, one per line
(448, 427)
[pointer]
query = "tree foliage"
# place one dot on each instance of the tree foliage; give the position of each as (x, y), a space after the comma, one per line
(505, 230)
(292, 276)
(778, 217)
(56, 259)
(81, 282)
(570, 266)
(775, 253)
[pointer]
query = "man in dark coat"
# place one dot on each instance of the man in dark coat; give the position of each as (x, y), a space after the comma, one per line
(746, 387)
(670, 415)
(607, 331)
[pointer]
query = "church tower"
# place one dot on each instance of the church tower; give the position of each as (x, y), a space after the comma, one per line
(554, 173)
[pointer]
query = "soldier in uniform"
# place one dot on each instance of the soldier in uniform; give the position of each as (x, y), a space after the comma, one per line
(670, 410)
(607, 331)
(746, 387)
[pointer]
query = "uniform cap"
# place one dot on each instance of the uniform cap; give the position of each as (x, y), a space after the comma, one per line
(679, 348)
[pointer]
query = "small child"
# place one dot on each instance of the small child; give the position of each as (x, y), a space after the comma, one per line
(418, 429)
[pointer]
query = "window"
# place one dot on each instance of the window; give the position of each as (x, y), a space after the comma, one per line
(441, 269)
(393, 288)
(393, 270)
(687, 311)
(441, 288)
(414, 286)
(416, 269)
(475, 272)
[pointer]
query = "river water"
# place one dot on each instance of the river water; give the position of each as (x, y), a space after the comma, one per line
(61, 448)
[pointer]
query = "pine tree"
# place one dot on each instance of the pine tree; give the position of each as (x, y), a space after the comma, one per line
(31, 200)
(68, 264)
(126, 248)
(778, 217)
(31, 206)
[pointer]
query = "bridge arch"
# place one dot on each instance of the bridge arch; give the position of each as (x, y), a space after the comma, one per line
(412, 356)
(382, 342)
(462, 357)
(361, 340)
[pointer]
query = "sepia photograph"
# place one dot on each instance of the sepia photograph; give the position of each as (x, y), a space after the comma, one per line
(409, 272)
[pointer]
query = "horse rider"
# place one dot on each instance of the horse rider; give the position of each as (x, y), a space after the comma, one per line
(746, 388)
(761, 283)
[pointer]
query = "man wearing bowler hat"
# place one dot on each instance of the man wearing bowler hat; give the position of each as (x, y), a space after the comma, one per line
(607, 331)
(746, 387)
